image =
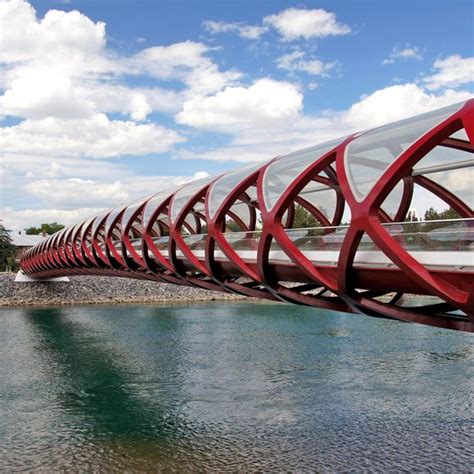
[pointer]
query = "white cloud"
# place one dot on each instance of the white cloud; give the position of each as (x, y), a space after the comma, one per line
(260, 142)
(74, 199)
(42, 93)
(97, 137)
(16, 220)
(21, 166)
(265, 103)
(398, 102)
(403, 53)
(75, 192)
(137, 102)
(295, 23)
(58, 33)
(451, 72)
(296, 61)
(59, 66)
(186, 62)
(251, 32)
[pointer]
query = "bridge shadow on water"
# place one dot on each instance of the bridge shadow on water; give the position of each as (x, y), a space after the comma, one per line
(98, 404)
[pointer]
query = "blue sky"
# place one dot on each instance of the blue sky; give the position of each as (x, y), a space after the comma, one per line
(104, 101)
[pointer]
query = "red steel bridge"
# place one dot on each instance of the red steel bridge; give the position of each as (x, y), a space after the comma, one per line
(363, 252)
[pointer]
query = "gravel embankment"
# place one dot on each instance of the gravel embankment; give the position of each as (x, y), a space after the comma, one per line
(100, 290)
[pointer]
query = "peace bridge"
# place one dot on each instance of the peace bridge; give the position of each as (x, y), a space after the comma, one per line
(364, 252)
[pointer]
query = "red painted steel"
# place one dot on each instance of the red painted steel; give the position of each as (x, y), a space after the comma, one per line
(184, 238)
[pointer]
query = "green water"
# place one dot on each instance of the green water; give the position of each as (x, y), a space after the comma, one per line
(231, 386)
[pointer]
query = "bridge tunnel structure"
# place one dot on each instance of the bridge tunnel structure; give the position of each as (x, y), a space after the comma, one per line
(335, 226)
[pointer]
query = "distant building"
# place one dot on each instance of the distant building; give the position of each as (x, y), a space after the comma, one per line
(23, 242)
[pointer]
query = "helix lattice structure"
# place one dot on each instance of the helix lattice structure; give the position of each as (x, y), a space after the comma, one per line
(332, 226)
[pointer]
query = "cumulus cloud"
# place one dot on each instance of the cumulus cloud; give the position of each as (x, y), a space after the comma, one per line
(262, 104)
(382, 106)
(136, 102)
(76, 192)
(251, 32)
(398, 102)
(44, 94)
(296, 62)
(17, 219)
(452, 71)
(74, 199)
(97, 137)
(403, 53)
(58, 33)
(296, 23)
(59, 66)
(185, 61)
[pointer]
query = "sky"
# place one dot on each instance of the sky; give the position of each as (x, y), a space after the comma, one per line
(104, 101)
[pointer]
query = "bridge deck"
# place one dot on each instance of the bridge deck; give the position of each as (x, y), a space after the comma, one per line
(449, 247)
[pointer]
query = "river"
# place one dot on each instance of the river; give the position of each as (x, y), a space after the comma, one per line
(231, 386)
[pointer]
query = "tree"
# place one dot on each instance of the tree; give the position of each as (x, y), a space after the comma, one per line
(432, 215)
(412, 224)
(7, 249)
(303, 219)
(44, 229)
(232, 226)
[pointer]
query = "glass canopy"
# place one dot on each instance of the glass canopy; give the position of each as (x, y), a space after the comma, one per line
(369, 155)
(281, 173)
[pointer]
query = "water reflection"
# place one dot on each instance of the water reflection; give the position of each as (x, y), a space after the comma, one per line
(230, 387)
(95, 381)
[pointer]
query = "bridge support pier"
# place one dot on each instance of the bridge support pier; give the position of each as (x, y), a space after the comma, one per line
(23, 278)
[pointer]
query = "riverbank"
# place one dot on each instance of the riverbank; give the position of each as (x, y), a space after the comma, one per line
(100, 290)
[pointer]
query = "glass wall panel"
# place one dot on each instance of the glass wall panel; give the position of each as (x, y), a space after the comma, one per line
(94, 220)
(184, 194)
(154, 203)
(223, 186)
(241, 209)
(281, 173)
(111, 217)
(368, 156)
(191, 221)
(131, 209)
(97, 221)
(321, 197)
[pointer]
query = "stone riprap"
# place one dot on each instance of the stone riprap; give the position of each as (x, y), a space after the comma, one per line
(100, 290)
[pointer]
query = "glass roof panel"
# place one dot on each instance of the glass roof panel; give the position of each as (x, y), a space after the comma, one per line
(155, 201)
(460, 135)
(97, 221)
(369, 155)
(131, 209)
(88, 222)
(281, 173)
(226, 183)
(184, 194)
(112, 216)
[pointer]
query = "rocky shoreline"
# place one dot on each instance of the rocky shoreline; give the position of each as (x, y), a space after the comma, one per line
(100, 290)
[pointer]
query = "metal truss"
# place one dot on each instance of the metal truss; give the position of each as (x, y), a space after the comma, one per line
(365, 254)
